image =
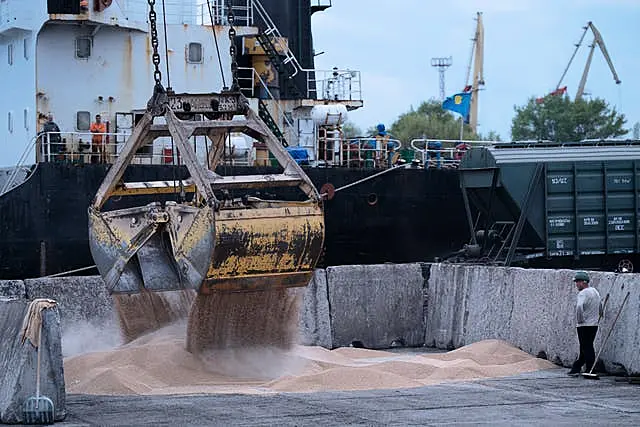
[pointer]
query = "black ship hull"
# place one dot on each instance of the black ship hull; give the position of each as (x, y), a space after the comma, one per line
(406, 215)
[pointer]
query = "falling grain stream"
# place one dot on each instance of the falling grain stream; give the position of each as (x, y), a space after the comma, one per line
(265, 318)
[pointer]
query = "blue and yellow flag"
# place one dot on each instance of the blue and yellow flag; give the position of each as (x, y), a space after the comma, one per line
(460, 103)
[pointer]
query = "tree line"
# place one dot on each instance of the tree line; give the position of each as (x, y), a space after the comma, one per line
(552, 118)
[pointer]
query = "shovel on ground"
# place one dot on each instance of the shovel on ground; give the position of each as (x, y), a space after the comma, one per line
(591, 375)
(38, 409)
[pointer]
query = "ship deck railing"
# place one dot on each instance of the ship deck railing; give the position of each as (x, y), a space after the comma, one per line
(256, 87)
(79, 148)
(334, 85)
(364, 152)
(444, 153)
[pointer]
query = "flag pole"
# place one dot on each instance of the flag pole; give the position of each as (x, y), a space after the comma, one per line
(461, 128)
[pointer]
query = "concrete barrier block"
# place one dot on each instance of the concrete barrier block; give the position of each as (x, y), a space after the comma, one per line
(375, 305)
(620, 354)
(531, 309)
(18, 362)
(543, 320)
(490, 304)
(12, 289)
(80, 298)
(315, 320)
(88, 317)
(445, 306)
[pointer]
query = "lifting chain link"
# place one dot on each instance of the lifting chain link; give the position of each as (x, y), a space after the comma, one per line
(155, 57)
(232, 47)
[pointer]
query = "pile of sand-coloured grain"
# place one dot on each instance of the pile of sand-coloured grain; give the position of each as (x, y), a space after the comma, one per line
(159, 364)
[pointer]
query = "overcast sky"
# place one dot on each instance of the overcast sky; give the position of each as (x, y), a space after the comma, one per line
(528, 44)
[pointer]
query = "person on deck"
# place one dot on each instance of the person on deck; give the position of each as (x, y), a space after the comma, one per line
(98, 128)
(51, 137)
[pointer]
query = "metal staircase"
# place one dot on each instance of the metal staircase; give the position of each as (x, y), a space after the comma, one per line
(265, 115)
(287, 74)
(279, 53)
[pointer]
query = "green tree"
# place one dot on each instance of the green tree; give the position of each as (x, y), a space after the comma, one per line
(491, 136)
(351, 130)
(429, 121)
(558, 118)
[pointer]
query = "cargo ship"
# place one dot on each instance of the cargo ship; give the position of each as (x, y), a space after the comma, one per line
(76, 60)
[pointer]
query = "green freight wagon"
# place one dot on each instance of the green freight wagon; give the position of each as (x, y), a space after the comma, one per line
(554, 205)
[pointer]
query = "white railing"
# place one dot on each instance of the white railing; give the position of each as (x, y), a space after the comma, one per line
(334, 85)
(361, 152)
(13, 180)
(444, 153)
(186, 12)
(276, 38)
(242, 12)
(80, 148)
(252, 83)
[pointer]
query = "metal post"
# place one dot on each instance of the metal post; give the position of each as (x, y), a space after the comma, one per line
(442, 64)
(467, 209)
(43, 258)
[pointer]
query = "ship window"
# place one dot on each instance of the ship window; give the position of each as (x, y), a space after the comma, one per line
(26, 118)
(83, 47)
(10, 53)
(194, 53)
(83, 120)
(63, 6)
(25, 46)
(10, 121)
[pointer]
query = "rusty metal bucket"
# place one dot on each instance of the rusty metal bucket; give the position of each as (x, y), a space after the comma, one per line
(268, 247)
(152, 247)
(276, 244)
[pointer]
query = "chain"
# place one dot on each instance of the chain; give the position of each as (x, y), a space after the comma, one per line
(232, 47)
(158, 102)
(157, 76)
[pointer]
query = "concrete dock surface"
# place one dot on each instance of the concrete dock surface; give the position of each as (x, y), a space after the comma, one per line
(547, 397)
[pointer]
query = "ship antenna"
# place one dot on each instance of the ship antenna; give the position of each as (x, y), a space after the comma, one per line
(215, 39)
(166, 46)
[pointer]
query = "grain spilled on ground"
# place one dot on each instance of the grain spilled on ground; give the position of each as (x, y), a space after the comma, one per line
(158, 363)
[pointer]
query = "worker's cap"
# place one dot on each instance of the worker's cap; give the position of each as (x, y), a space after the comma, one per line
(581, 275)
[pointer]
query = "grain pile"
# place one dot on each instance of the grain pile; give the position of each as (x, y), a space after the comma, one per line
(159, 364)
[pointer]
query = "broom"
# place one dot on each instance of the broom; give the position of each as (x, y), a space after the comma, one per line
(591, 375)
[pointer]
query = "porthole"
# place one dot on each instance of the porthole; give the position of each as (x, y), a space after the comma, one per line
(83, 120)
(194, 53)
(83, 47)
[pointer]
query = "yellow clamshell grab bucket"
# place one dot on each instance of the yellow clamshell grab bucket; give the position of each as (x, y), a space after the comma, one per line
(205, 243)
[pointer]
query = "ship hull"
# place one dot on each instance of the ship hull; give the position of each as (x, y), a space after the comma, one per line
(405, 215)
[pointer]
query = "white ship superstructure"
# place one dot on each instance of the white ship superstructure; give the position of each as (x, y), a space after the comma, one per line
(75, 61)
